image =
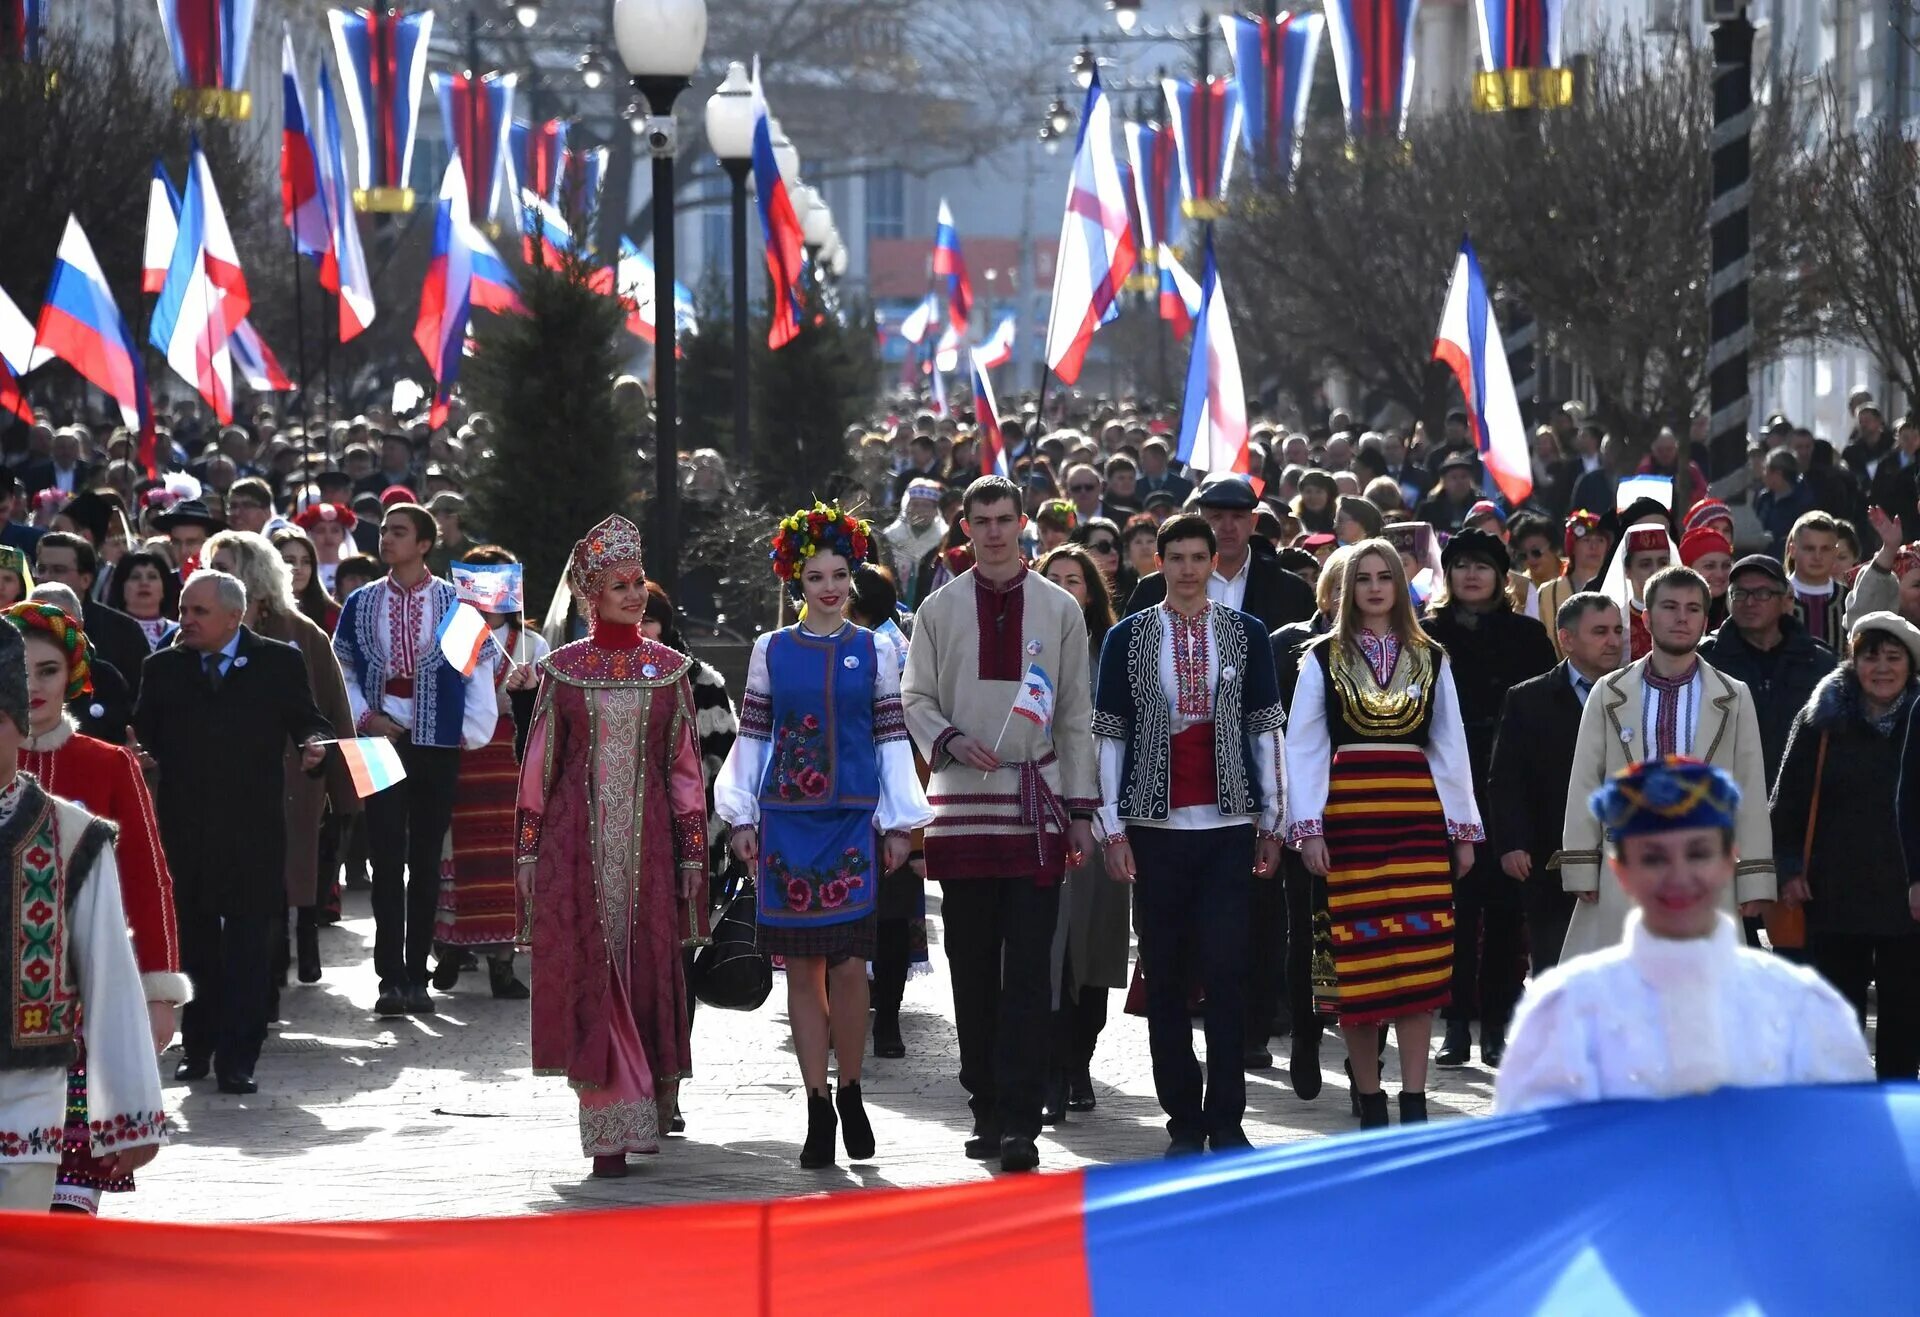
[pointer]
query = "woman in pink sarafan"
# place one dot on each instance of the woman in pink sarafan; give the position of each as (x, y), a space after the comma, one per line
(611, 858)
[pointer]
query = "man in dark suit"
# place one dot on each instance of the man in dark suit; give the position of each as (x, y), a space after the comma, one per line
(215, 713)
(64, 470)
(1250, 578)
(1533, 763)
(70, 560)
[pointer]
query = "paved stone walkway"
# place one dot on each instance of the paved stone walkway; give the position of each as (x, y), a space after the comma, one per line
(360, 1118)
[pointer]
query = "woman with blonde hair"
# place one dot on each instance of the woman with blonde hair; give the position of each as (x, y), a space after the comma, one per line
(1380, 798)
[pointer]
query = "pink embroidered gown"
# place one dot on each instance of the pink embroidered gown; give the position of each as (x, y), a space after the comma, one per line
(612, 808)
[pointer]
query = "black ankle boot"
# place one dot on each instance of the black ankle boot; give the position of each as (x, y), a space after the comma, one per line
(1413, 1109)
(817, 1151)
(1303, 1062)
(505, 985)
(308, 937)
(855, 1128)
(887, 1041)
(1053, 1099)
(1373, 1111)
(1456, 1048)
(1493, 1043)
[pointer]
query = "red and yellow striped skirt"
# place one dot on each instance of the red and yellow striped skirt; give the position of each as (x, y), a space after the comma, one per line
(1385, 946)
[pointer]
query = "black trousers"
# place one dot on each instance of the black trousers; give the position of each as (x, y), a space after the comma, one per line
(892, 958)
(1489, 959)
(1297, 885)
(406, 829)
(1548, 914)
(1267, 958)
(1191, 898)
(230, 963)
(1850, 962)
(1077, 1021)
(999, 939)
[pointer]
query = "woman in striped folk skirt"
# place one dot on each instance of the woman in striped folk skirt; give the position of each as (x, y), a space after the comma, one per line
(1380, 805)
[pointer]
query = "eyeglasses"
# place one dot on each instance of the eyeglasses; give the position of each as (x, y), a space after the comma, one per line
(1765, 594)
(1538, 551)
(1082, 489)
(1103, 546)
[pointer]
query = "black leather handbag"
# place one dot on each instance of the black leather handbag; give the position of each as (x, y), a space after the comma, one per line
(731, 973)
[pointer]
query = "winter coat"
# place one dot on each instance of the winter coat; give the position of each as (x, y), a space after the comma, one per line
(1501, 650)
(1780, 688)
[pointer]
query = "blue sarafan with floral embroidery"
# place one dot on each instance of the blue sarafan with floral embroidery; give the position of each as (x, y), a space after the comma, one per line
(848, 884)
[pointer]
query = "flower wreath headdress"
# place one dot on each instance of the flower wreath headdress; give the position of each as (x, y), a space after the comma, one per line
(823, 528)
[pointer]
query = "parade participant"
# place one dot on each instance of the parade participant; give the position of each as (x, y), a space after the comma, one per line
(106, 781)
(330, 527)
(1375, 723)
(1536, 549)
(476, 913)
(1013, 799)
(1645, 549)
(918, 529)
(65, 931)
(1533, 763)
(401, 686)
(187, 524)
(1819, 598)
(1678, 1006)
(1316, 505)
(1763, 645)
(71, 561)
(1355, 519)
(216, 717)
(1419, 550)
(611, 855)
(1669, 703)
(822, 795)
(315, 604)
(1187, 720)
(1090, 944)
(1709, 551)
(16, 576)
(1100, 537)
(1839, 784)
(1055, 523)
(147, 589)
(1888, 582)
(1588, 546)
(1491, 649)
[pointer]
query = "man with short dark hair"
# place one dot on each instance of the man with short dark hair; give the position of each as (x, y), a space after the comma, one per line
(1187, 723)
(396, 466)
(1446, 509)
(69, 560)
(15, 534)
(923, 463)
(1764, 645)
(66, 468)
(1782, 499)
(250, 506)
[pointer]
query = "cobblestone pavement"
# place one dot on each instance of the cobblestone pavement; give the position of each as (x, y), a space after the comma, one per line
(360, 1118)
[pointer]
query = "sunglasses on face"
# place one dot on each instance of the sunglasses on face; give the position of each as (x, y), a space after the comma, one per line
(1103, 546)
(1537, 551)
(1081, 489)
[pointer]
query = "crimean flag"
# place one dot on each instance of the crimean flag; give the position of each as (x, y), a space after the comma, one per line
(1034, 702)
(256, 362)
(1213, 414)
(163, 228)
(1179, 295)
(491, 587)
(81, 325)
(639, 291)
(16, 358)
(1096, 251)
(383, 65)
(463, 637)
(537, 154)
(946, 352)
(1154, 162)
(446, 298)
(950, 263)
(205, 294)
(997, 351)
(209, 41)
(1469, 343)
(303, 207)
(1372, 44)
(1273, 61)
(477, 115)
(779, 227)
(986, 415)
(920, 320)
(22, 26)
(1205, 119)
(372, 763)
(343, 270)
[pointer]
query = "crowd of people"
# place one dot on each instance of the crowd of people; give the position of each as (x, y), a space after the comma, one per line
(1345, 743)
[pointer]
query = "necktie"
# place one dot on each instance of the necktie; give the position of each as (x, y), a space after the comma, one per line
(212, 665)
(1581, 689)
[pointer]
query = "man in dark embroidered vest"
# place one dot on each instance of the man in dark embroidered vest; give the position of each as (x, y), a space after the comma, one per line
(1187, 721)
(64, 934)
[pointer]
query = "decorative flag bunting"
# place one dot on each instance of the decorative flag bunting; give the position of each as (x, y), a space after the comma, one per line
(477, 115)
(997, 351)
(1035, 700)
(163, 227)
(1205, 120)
(81, 325)
(1213, 414)
(545, 236)
(1179, 295)
(373, 763)
(986, 416)
(586, 171)
(383, 62)
(446, 297)
(1273, 61)
(258, 366)
(920, 320)
(491, 588)
(1520, 55)
(1096, 251)
(16, 358)
(1373, 55)
(303, 208)
(538, 154)
(209, 41)
(1154, 161)
(1469, 343)
(779, 227)
(343, 270)
(464, 637)
(950, 264)
(22, 25)
(205, 294)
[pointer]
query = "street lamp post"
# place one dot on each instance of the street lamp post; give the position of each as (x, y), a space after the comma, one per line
(730, 134)
(661, 42)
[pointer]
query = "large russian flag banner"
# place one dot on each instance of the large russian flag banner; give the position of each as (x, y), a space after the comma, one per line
(383, 63)
(477, 115)
(1273, 62)
(209, 41)
(82, 326)
(1373, 56)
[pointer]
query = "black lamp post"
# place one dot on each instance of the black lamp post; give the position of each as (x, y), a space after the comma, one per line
(730, 134)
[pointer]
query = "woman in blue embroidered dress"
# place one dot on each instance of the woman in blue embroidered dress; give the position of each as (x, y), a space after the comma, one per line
(822, 764)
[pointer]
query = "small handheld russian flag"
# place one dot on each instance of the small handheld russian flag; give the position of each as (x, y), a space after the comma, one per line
(1035, 700)
(464, 637)
(373, 764)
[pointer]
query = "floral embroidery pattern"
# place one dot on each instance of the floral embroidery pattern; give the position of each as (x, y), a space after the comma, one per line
(824, 889)
(800, 759)
(44, 1002)
(34, 1143)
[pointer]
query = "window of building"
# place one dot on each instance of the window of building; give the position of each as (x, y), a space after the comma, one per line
(886, 204)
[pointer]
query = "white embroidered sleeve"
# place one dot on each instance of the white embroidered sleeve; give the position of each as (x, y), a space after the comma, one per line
(1308, 756)
(125, 1108)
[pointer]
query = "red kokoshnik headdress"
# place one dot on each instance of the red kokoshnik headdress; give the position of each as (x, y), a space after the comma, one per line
(615, 542)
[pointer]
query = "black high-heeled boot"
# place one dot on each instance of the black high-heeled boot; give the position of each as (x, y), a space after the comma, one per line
(1413, 1109)
(855, 1128)
(307, 935)
(887, 1041)
(1373, 1111)
(503, 982)
(817, 1151)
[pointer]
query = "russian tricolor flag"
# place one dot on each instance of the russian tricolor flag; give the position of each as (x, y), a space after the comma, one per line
(997, 351)
(16, 358)
(22, 27)
(1096, 251)
(1213, 415)
(1154, 160)
(779, 226)
(383, 61)
(209, 40)
(446, 298)
(639, 289)
(205, 295)
(950, 263)
(343, 270)
(163, 229)
(81, 325)
(477, 114)
(494, 287)
(1520, 34)
(303, 207)
(546, 238)
(986, 415)
(1205, 119)
(1179, 294)
(1469, 343)
(372, 763)
(1273, 60)
(1373, 55)
(537, 154)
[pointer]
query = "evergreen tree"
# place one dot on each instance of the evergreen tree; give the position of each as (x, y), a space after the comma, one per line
(706, 371)
(562, 456)
(805, 397)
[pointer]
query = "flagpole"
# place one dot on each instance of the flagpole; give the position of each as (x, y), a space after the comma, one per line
(300, 336)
